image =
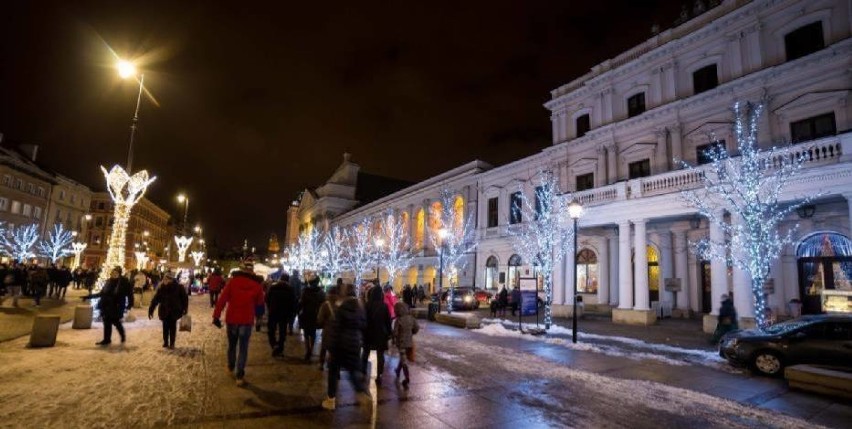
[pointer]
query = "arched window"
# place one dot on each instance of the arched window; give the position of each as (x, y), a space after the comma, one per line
(420, 229)
(825, 269)
(406, 225)
(435, 218)
(491, 273)
(458, 215)
(514, 271)
(587, 272)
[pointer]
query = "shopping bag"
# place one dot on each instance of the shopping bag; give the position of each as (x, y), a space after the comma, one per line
(186, 323)
(409, 353)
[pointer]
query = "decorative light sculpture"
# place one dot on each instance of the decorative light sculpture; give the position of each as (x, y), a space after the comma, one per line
(77, 247)
(125, 191)
(197, 256)
(183, 242)
(141, 259)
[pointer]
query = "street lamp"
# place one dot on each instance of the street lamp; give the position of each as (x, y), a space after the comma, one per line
(380, 243)
(575, 210)
(442, 234)
(127, 69)
(183, 199)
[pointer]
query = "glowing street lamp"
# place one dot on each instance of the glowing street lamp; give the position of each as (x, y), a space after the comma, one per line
(575, 210)
(77, 247)
(183, 199)
(127, 69)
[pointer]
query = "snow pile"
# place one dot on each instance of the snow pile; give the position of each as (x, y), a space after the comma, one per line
(625, 347)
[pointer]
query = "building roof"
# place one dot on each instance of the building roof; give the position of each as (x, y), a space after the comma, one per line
(371, 187)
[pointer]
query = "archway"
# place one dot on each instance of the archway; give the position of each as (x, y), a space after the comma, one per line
(435, 220)
(587, 271)
(653, 272)
(824, 260)
(513, 272)
(491, 270)
(458, 215)
(419, 230)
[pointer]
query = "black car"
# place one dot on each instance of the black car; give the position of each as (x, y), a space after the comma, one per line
(464, 298)
(816, 339)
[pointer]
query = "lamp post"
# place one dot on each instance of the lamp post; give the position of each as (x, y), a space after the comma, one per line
(183, 199)
(575, 210)
(78, 247)
(380, 243)
(127, 69)
(442, 234)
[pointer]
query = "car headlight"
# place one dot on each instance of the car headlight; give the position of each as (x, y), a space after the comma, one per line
(468, 298)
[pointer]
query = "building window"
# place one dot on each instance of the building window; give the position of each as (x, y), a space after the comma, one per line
(31, 188)
(587, 272)
(28, 210)
(492, 212)
(41, 192)
(636, 105)
(73, 199)
(7, 180)
(515, 208)
(813, 127)
(4, 204)
(100, 206)
(16, 207)
(540, 202)
(583, 125)
(62, 195)
(705, 79)
(704, 154)
(37, 212)
(491, 277)
(19, 184)
(804, 40)
(585, 181)
(639, 169)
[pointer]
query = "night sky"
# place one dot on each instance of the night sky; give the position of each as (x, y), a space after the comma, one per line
(257, 102)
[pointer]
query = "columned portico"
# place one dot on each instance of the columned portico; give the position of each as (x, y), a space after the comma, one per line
(627, 312)
(603, 272)
(640, 266)
(625, 287)
(681, 267)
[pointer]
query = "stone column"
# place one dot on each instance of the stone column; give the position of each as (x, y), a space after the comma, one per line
(681, 252)
(640, 265)
(603, 272)
(570, 277)
(666, 266)
(600, 171)
(718, 268)
(625, 278)
(743, 296)
(559, 280)
(606, 104)
(662, 152)
(613, 271)
(677, 146)
(611, 166)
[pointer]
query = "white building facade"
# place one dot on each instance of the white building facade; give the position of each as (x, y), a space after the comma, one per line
(617, 133)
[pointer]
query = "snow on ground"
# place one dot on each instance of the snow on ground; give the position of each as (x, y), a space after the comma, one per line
(603, 401)
(155, 384)
(610, 345)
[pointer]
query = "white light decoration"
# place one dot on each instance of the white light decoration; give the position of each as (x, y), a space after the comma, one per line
(747, 186)
(457, 240)
(141, 259)
(19, 241)
(333, 251)
(183, 242)
(125, 191)
(77, 247)
(308, 250)
(197, 256)
(55, 246)
(359, 256)
(395, 252)
(542, 238)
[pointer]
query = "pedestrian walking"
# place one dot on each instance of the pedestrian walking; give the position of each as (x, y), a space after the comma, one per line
(115, 297)
(15, 280)
(173, 304)
(309, 305)
(727, 319)
(516, 299)
(281, 303)
(403, 335)
(503, 300)
(241, 295)
(296, 284)
(325, 321)
(39, 280)
(390, 300)
(345, 340)
(377, 332)
(215, 283)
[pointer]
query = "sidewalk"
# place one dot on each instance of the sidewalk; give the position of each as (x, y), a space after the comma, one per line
(16, 322)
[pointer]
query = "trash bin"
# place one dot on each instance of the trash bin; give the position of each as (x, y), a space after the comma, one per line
(433, 310)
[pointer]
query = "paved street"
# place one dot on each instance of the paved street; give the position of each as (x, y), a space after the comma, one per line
(462, 379)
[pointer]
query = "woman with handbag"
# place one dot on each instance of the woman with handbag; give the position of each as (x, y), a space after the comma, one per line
(173, 303)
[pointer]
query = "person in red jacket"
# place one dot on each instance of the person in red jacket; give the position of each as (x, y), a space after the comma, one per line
(215, 281)
(243, 294)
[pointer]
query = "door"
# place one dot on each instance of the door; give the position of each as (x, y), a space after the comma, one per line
(706, 295)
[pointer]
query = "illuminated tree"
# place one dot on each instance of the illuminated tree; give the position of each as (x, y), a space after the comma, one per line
(452, 234)
(19, 241)
(360, 254)
(333, 251)
(395, 254)
(542, 239)
(749, 187)
(57, 244)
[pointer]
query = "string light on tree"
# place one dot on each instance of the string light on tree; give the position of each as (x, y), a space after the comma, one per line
(749, 187)
(542, 239)
(360, 256)
(19, 241)
(57, 243)
(458, 239)
(395, 252)
(333, 251)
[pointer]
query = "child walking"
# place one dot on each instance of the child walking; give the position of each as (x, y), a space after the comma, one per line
(403, 334)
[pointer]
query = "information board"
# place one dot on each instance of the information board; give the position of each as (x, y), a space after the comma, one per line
(528, 302)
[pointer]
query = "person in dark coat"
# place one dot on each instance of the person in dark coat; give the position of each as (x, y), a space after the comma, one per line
(115, 297)
(173, 303)
(345, 342)
(281, 306)
(407, 296)
(309, 305)
(727, 318)
(63, 279)
(516, 299)
(503, 300)
(377, 332)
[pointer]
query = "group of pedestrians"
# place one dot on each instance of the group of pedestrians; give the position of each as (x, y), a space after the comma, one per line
(18, 280)
(352, 328)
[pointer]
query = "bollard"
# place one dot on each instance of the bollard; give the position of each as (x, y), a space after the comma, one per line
(45, 327)
(83, 315)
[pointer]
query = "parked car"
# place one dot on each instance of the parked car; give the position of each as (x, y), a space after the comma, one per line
(823, 339)
(464, 298)
(483, 296)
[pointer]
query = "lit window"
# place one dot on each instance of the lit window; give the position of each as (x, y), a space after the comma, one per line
(587, 272)
(28, 210)
(16, 207)
(37, 212)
